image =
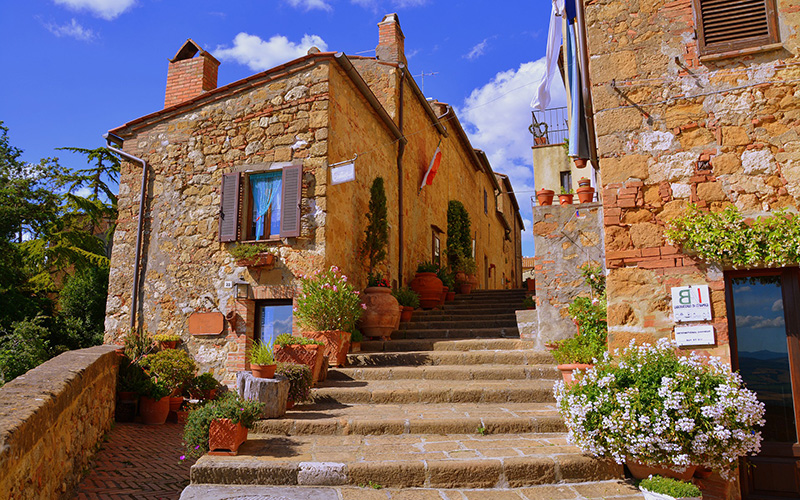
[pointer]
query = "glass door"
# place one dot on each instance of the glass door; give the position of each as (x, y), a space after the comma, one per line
(272, 319)
(763, 326)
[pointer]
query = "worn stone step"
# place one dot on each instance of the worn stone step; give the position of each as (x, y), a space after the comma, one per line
(450, 354)
(451, 372)
(405, 461)
(594, 490)
(442, 315)
(455, 333)
(437, 324)
(438, 391)
(449, 418)
(439, 344)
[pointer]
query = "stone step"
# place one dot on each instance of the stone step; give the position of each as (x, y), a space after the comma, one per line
(405, 461)
(489, 322)
(452, 372)
(455, 333)
(460, 309)
(439, 344)
(458, 418)
(440, 315)
(450, 354)
(594, 490)
(438, 391)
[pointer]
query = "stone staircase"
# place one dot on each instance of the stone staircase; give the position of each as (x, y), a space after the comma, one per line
(455, 405)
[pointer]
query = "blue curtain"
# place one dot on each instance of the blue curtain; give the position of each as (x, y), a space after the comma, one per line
(578, 133)
(266, 189)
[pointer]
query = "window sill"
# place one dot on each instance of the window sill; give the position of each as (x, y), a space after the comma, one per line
(276, 239)
(741, 52)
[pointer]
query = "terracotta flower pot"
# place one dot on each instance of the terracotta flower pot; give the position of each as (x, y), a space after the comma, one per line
(544, 197)
(444, 295)
(429, 289)
(405, 316)
(168, 344)
(289, 404)
(175, 403)
(263, 371)
(642, 471)
(337, 343)
(182, 415)
(580, 162)
(154, 412)
(225, 437)
(382, 314)
(264, 260)
(567, 369)
(355, 346)
(565, 199)
(585, 194)
(210, 394)
(451, 296)
(310, 355)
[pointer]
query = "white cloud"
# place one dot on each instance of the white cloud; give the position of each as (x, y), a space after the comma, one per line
(374, 5)
(477, 50)
(310, 4)
(496, 117)
(759, 322)
(777, 305)
(260, 55)
(106, 9)
(72, 30)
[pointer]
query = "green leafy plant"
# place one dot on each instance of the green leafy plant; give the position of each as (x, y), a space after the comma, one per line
(466, 265)
(377, 279)
(529, 302)
(205, 382)
(285, 339)
(248, 250)
(406, 297)
(172, 367)
(376, 236)
(137, 344)
(261, 354)
(669, 486)
(231, 406)
(356, 336)
(131, 377)
(166, 337)
(589, 315)
(482, 431)
(459, 232)
(328, 302)
(594, 276)
(371, 484)
(447, 277)
(427, 267)
(154, 389)
(300, 380)
(566, 190)
(726, 237)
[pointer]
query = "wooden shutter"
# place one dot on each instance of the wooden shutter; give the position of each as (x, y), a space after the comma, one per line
(292, 185)
(726, 25)
(229, 208)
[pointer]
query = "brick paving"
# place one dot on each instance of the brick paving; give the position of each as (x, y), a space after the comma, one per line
(138, 462)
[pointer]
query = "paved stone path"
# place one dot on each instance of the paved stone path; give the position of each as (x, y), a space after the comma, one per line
(138, 462)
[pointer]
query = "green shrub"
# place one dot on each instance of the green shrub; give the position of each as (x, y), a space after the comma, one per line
(356, 336)
(25, 348)
(447, 277)
(285, 339)
(174, 367)
(205, 382)
(328, 302)
(237, 409)
(669, 486)
(427, 267)
(261, 354)
(167, 337)
(245, 251)
(300, 380)
(529, 302)
(131, 377)
(137, 343)
(406, 297)
(154, 389)
(466, 265)
(459, 233)
(376, 235)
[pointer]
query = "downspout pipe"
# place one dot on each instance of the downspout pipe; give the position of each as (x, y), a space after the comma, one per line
(117, 141)
(401, 147)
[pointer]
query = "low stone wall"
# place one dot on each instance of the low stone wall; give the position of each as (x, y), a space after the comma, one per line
(51, 421)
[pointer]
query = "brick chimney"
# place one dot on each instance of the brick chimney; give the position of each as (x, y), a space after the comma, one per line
(391, 41)
(189, 76)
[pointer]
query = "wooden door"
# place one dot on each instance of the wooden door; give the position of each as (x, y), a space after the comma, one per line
(764, 322)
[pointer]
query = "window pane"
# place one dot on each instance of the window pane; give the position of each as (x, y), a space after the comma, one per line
(273, 321)
(764, 352)
(266, 216)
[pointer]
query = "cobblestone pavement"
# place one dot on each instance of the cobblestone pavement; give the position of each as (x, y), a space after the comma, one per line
(138, 462)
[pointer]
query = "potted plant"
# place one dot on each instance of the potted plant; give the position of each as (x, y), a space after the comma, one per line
(137, 344)
(427, 285)
(355, 341)
(544, 197)
(327, 309)
(262, 360)
(585, 190)
(580, 162)
(665, 488)
(381, 312)
(220, 427)
(300, 382)
(407, 298)
(529, 302)
(300, 350)
(167, 340)
(655, 407)
(204, 386)
(154, 404)
(132, 382)
(258, 255)
(448, 282)
(175, 369)
(565, 198)
(465, 268)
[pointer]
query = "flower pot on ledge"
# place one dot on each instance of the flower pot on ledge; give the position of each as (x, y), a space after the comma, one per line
(225, 437)
(264, 260)
(544, 197)
(567, 369)
(585, 194)
(565, 199)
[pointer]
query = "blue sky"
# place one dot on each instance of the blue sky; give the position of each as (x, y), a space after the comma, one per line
(77, 68)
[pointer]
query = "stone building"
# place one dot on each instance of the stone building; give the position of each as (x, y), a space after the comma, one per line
(213, 152)
(696, 102)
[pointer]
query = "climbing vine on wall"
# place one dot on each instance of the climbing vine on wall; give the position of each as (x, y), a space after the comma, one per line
(727, 237)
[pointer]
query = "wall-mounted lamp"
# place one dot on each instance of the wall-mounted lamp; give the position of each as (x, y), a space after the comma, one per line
(242, 289)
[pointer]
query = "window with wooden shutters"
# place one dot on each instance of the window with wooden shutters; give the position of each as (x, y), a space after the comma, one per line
(729, 25)
(229, 208)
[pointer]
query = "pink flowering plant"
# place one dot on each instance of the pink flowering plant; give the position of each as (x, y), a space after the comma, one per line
(328, 302)
(657, 407)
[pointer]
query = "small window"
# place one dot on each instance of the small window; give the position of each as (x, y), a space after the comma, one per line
(728, 25)
(273, 318)
(566, 181)
(485, 202)
(436, 249)
(263, 205)
(473, 248)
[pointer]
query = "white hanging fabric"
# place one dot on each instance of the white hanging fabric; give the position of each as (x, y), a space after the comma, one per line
(542, 97)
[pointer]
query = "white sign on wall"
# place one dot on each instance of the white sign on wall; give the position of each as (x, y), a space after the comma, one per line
(344, 173)
(694, 335)
(691, 303)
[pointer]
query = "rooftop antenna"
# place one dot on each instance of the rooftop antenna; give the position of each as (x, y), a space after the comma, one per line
(422, 78)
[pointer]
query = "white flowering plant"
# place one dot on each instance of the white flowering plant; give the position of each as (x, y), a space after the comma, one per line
(328, 302)
(657, 407)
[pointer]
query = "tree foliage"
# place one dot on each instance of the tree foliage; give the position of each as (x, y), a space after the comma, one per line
(459, 232)
(376, 236)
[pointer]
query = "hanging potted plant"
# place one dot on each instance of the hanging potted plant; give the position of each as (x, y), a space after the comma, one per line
(262, 360)
(300, 383)
(302, 351)
(565, 198)
(665, 488)
(255, 255)
(381, 312)
(409, 300)
(427, 285)
(544, 197)
(585, 190)
(220, 427)
(167, 340)
(327, 310)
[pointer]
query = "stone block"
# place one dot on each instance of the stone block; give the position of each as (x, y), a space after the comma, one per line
(272, 391)
(321, 474)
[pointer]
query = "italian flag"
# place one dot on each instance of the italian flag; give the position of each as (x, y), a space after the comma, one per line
(433, 167)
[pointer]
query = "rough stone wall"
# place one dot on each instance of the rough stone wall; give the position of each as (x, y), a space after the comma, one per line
(680, 129)
(566, 237)
(51, 421)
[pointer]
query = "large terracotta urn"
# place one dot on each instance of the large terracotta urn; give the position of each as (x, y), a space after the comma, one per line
(382, 313)
(337, 345)
(154, 411)
(429, 288)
